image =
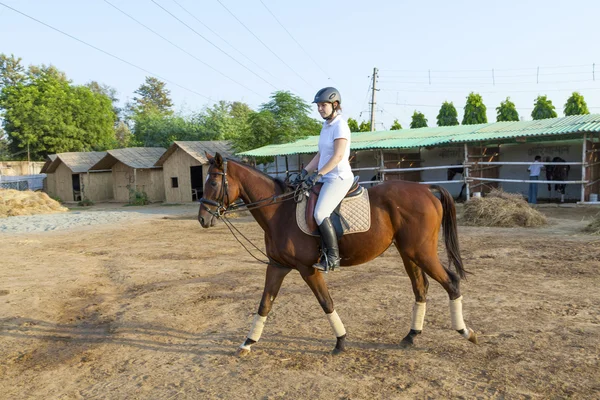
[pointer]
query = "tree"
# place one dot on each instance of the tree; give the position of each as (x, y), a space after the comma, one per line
(109, 92)
(353, 125)
(475, 110)
(418, 120)
(576, 105)
(4, 146)
(506, 111)
(396, 126)
(364, 126)
(123, 135)
(285, 118)
(447, 115)
(49, 115)
(543, 108)
(155, 129)
(11, 70)
(152, 97)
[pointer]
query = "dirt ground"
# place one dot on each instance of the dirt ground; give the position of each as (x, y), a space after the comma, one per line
(155, 309)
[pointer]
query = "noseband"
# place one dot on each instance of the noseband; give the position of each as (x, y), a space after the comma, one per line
(219, 204)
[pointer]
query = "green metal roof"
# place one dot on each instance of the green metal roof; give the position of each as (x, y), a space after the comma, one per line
(496, 132)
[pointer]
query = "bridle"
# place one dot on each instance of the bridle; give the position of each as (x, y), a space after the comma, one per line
(222, 209)
(220, 204)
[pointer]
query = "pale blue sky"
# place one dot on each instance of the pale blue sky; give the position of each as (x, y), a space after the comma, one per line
(459, 41)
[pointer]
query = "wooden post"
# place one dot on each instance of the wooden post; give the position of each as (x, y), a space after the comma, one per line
(583, 166)
(381, 167)
(466, 172)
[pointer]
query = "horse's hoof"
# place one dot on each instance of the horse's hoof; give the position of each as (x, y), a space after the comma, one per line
(405, 344)
(337, 351)
(240, 352)
(472, 337)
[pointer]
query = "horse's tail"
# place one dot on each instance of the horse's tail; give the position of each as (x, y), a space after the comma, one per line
(450, 233)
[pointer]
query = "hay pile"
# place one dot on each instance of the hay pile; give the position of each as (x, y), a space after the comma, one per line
(15, 202)
(501, 209)
(594, 227)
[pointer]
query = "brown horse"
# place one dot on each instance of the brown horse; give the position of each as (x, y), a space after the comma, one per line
(403, 213)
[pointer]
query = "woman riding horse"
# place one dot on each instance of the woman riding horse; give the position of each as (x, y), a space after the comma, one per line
(333, 169)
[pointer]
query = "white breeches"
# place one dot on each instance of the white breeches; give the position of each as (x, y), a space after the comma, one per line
(332, 194)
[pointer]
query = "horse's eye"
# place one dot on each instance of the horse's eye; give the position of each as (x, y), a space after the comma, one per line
(213, 183)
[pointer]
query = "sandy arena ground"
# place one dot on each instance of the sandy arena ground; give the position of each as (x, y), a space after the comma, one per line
(155, 307)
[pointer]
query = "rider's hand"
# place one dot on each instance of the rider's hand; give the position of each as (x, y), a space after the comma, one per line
(312, 180)
(299, 178)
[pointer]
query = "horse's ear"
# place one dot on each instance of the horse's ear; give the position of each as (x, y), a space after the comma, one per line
(218, 160)
(208, 156)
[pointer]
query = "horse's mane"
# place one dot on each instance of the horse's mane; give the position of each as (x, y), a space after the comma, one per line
(279, 183)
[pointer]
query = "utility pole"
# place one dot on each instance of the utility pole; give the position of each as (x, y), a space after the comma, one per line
(373, 99)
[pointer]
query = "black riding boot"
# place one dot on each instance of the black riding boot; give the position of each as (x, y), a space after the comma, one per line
(330, 259)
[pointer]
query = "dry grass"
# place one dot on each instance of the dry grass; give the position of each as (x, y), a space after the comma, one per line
(15, 202)
(594, 227)
(501, 209)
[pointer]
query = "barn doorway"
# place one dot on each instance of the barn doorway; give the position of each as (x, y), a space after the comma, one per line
(76, 187)
(196, 182)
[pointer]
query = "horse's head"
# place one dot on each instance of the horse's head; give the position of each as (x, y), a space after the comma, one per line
(220, 190)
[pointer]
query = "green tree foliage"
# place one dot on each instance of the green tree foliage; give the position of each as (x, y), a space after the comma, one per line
(506, 111)
(285, 118)
(447, 115)
(4, 148)
(155, 129)
(365, 126)
(543, 108)
(11, 70)
(152, 97)
(353, 125)
(576, 105)
(225, 120)
(50, 115)
(123, 135)
(475, 110)
(418, 120)
(109, 92)
(396, 126)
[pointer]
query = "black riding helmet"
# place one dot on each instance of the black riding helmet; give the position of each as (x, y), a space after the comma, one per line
(328, 95)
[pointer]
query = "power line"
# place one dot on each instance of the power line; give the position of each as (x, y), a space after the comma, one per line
(489, 69)
(263, 43)
(182, 49)
(105, 52)
(294, 39)
(417, 90)
(224, 40)
(426, 83)
(214, 45)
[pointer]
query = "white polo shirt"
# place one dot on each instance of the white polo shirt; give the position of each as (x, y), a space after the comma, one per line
(336, 129)
(535, 168)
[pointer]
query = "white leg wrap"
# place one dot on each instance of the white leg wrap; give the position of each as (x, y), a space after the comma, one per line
(418, 316)
(336, 324)
(456, 314)
(257, 327)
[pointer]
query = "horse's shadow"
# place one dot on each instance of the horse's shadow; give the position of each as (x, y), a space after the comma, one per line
(151, 337)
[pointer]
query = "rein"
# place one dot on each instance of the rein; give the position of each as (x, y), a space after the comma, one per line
(221, 209)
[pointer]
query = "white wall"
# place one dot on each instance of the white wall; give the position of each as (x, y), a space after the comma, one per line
(567, 150)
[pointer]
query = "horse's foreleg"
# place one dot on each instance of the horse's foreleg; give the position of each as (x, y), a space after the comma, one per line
(273, 280)
(420, 286)
(315, 281)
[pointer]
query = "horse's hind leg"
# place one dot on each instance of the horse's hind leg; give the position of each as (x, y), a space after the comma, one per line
(420, 284)
(273, 280)
(315, 281)
(427, 259)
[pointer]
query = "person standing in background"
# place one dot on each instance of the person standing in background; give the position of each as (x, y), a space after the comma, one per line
(534, 175)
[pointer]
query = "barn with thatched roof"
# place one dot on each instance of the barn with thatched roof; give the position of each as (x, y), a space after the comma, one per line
(185, 166)
(70, 179)
(134, 169)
